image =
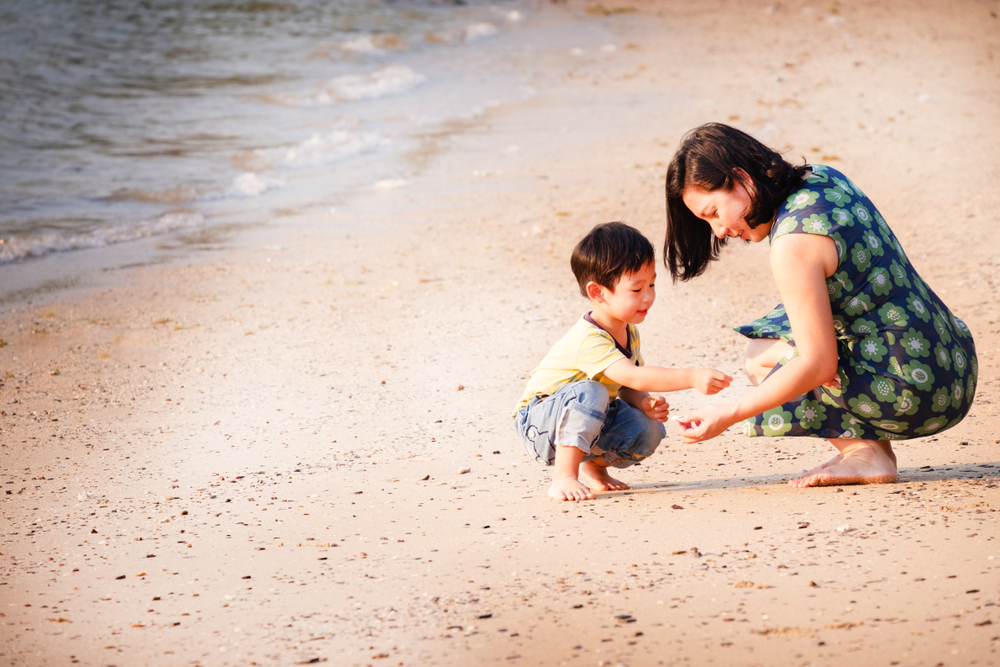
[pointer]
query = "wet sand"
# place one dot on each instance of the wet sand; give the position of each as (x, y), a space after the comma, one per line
(297, 448)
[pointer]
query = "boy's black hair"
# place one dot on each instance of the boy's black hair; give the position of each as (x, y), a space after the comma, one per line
(716, 157)
(608, 252)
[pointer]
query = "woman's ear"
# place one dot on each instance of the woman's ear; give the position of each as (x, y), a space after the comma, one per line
(595, 292)
(744, 179)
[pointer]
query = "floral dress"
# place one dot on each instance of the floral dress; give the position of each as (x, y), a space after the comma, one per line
(907, 366)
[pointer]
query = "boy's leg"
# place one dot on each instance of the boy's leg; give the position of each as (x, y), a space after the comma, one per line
(572, 418)
(596, 471)
(566, 484)
(628, 437)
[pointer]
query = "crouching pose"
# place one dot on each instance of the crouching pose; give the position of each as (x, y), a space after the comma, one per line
(586, 407)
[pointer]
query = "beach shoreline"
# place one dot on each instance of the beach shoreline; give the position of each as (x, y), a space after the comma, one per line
(296, 447)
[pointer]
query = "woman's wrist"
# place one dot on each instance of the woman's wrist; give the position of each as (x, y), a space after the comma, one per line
(739, 412)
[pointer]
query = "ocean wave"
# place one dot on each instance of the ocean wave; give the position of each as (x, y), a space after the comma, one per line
(374, 43)
(380, 83)
(391, 80)
(316, 150)
(178, 195)
(22, 247)
(479, 30)
(250, 184)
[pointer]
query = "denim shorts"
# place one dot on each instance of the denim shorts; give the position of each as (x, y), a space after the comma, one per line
(580, 415)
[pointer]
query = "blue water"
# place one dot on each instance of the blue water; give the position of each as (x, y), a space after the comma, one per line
(121, 119)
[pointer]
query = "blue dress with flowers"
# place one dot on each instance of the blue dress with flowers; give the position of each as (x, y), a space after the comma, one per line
(907, 366)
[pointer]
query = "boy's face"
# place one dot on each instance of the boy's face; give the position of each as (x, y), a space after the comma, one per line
(632, 297)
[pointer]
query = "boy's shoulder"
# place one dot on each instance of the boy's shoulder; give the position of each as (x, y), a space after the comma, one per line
(584, 327)
(582, 330)
(586, 333)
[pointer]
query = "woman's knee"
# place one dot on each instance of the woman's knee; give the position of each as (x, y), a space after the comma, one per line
(762, 355)
(756, 372)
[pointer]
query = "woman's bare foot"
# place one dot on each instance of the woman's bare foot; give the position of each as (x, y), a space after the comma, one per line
(602, 481)
(859, 462)
(569, 488)
(836, 459)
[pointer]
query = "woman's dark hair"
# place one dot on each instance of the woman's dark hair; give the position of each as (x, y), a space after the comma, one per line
(608, 252)
(711, 157)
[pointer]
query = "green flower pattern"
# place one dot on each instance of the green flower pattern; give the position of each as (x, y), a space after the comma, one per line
(817, 224)
(810, 414)
(881, 281)
(884, 389)
(917, 307)
(837, 284)
(908, 365)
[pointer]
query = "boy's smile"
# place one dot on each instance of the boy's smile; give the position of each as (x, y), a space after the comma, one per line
(628, 303)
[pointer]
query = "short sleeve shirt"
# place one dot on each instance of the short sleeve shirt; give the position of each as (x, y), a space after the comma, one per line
(584, 353)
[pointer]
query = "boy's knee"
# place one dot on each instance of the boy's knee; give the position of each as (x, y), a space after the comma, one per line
(657, 430)
(655, 433)
(592, 395)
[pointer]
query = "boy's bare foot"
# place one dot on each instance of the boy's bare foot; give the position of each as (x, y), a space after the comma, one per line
(569, 488)
(602, 481)
(859, 462)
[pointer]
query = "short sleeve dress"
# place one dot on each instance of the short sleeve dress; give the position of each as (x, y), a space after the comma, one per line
(907, 365)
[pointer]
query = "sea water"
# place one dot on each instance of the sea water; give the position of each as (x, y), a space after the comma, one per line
(123, 119)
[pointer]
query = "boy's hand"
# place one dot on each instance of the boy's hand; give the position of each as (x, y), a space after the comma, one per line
(710, 381)
(656, 407)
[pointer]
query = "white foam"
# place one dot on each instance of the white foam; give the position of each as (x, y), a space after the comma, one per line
(479, 30)
(380, 83)
(250, 184)
(390, 184)
(321, 149)
(22, 247)
(363, 44)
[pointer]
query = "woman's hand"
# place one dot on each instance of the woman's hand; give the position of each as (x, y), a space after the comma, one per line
(706, 424)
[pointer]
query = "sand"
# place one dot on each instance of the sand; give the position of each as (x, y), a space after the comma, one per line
(296, 446)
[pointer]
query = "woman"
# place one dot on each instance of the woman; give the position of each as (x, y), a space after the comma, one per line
(860, 351)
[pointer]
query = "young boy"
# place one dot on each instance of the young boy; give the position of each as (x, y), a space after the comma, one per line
(586, 406)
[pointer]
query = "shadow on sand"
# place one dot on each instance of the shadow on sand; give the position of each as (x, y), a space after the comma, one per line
(989, 473)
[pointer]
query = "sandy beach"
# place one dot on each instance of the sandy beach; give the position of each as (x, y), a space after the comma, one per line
(293, 445)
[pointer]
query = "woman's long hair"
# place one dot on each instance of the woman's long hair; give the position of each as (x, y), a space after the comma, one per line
(712, 157)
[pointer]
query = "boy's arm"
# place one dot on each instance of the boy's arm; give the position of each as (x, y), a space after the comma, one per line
(632, 396)
(656, 378)
(655, 407)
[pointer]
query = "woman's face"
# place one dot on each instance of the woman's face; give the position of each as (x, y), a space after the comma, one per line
(725, 211)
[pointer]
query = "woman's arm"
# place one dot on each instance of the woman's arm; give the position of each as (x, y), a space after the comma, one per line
(800, 263)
